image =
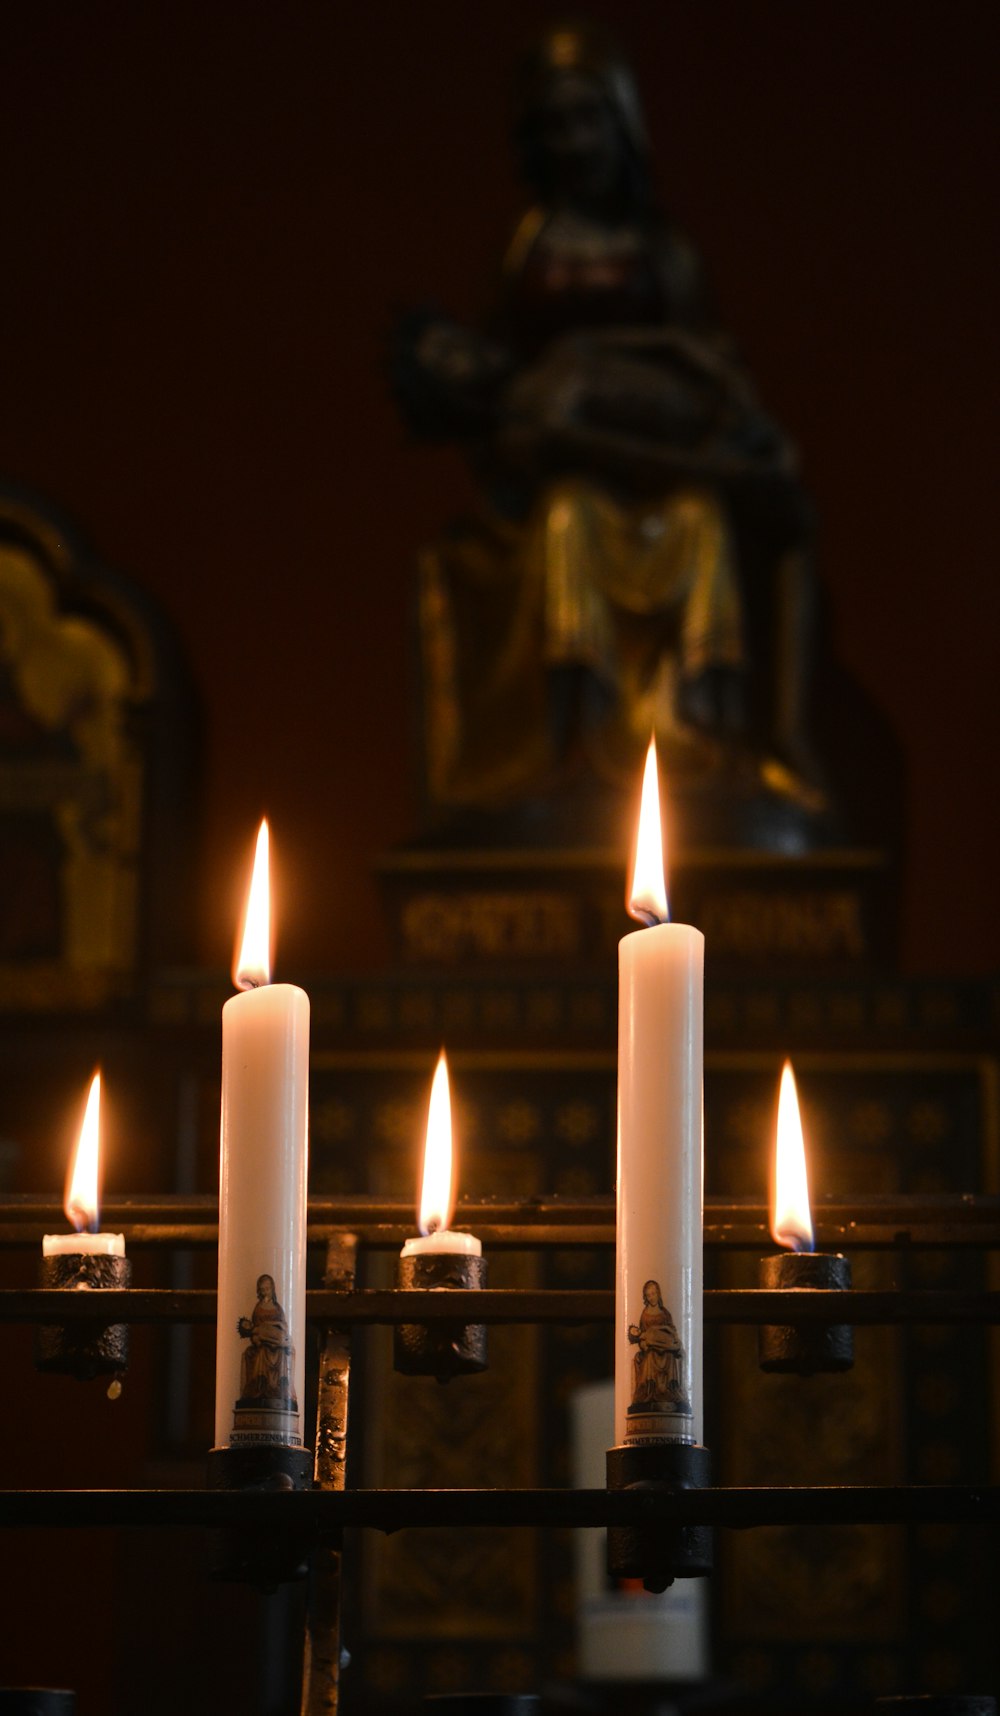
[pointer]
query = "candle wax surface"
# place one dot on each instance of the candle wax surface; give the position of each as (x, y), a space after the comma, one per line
(658, 1341)
(443, 1244)
(83, 1245)
(263, 1175)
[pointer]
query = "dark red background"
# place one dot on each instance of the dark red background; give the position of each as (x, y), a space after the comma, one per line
(209, 214)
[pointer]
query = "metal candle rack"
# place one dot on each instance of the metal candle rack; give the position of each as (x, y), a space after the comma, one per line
(273, 1528)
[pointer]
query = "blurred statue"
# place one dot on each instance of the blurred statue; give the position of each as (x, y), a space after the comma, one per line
(639, 560)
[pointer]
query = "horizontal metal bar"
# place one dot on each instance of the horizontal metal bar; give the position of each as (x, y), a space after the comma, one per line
(347, 1209)
(387, 1305)
(871, 1221)
(811, 1305)
(313, 1512)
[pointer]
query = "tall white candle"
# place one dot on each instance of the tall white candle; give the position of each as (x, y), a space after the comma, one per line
(437, 1184)
(658, 1316)
(82, 1201)
(263, 1174)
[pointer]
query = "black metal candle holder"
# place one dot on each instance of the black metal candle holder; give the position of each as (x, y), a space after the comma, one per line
(83, 1349)
(652, 1553)
(812, 1347)
(441, 1349)
(658, 1501)
(251, 1558)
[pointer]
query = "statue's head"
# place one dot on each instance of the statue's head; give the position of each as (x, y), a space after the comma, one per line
(265, 1287)
(651, 1294)
(579, 128)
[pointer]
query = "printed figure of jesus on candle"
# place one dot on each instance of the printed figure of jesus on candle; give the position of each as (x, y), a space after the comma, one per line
(260, 1363)
(658, 1318)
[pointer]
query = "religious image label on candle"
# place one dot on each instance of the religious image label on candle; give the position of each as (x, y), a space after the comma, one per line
(658, 1318)
(262, 1194)
(267, 1409)
(658, 1370)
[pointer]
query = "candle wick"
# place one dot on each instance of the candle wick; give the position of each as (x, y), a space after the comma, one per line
(647, 917)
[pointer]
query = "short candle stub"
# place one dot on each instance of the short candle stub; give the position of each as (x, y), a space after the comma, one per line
(659, 1554)
(264, 1560)
(808, 1348)
(443, 1350)
(83, 1350)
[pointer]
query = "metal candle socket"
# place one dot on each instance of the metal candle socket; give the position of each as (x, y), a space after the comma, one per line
(264, 1560)
(809, 1347)
(652, 1553)
(443, 1350)
(85, 1349)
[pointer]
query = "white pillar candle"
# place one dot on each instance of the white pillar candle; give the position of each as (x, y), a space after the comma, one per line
(658, 1316)
(263, 1173)
(82, 1201)
(437, 1188)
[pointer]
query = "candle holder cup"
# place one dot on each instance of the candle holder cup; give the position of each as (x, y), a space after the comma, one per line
(656, 1554)
(248, 1557)
(808, 1348)
(441, 1349)
(83, 1349)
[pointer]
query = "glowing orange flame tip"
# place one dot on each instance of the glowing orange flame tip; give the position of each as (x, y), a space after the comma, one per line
(647, 896)
(253, 964)
(791, 1217)
(436, 1191)
(82, 1202)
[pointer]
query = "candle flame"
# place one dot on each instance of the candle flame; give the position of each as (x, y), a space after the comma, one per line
(647, 897)
(791, 1218)
(436, 1192)
(82, 1201)
(253, 964)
